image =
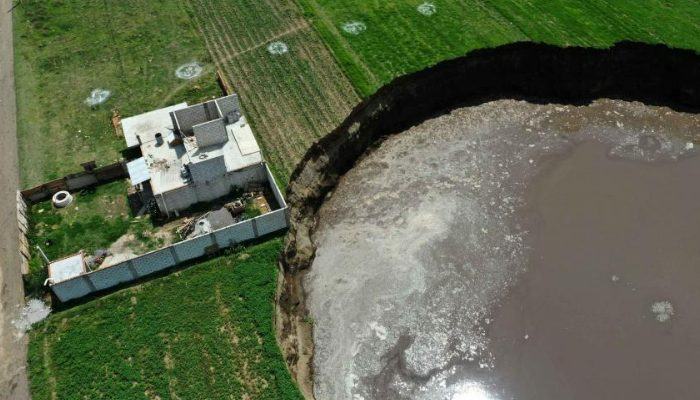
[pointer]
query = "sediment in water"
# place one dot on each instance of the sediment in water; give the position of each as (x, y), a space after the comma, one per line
(421, 242)
(653, 74)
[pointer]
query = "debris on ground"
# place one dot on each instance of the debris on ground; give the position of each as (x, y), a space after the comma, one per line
(34, 311)
(97, 258)
(250, 204)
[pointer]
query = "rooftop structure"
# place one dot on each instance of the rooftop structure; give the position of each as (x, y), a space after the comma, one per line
(67, 268)
(193, 153)
(143, 127)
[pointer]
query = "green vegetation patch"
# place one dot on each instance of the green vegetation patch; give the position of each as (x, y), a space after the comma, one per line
(400, 38)
(95, 219)
(204, 332)
(66, 49)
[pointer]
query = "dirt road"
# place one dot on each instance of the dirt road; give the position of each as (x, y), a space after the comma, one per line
(13, 375)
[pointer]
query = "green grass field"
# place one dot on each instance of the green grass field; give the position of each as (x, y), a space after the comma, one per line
(93, 220)
(65, 49)
(203, 333)
(398, 39)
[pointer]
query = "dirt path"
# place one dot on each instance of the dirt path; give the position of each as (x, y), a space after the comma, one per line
(13, 350)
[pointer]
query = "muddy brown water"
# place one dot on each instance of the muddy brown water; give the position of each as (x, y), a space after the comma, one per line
(514, 251)
(609, 239)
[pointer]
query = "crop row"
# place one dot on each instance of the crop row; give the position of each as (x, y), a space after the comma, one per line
(290, 99)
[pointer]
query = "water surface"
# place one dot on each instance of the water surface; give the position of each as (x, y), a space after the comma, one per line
(514, 251)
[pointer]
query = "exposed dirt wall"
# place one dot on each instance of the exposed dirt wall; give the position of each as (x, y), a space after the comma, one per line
(653, 74)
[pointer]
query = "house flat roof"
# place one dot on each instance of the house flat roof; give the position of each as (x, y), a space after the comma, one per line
(146, 125)
(163, 163)
(243, 135)
(234, 157)
(66, 268)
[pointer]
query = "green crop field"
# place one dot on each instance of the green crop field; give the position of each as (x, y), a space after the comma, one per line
(398, 39)
(202, 333)
(291, 99)
(66, 49)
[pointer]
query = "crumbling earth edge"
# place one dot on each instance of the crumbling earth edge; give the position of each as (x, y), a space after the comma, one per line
(653, 74)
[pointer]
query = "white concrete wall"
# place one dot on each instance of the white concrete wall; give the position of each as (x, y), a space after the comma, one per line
(208, 170)
(175, 200)
(208, 191)
(271, 222)
(170, 256)
(190, 116)
(275, 189)
(203, 191)
(211, 132)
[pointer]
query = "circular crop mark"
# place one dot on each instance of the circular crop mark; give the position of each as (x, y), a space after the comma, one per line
(354, 27)
(277, 48)
(189, 71)
(97, 97)
(427, 9)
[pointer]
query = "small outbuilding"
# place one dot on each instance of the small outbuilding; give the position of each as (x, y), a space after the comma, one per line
(67, 268)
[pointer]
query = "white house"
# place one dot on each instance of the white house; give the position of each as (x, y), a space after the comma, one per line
(193, 154)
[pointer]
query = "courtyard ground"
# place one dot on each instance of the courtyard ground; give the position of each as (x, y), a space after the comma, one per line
(96, 219)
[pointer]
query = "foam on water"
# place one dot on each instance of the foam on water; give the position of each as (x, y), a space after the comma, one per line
(663, 310)
(471, 391)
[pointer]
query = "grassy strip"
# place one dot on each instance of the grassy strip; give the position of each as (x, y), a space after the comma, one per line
(65, 49)
(204, 332)
(399, 39)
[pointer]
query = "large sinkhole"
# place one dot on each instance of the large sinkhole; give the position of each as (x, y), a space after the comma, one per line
(512, 250)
